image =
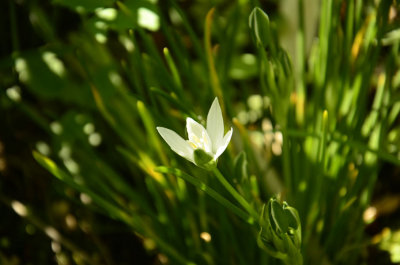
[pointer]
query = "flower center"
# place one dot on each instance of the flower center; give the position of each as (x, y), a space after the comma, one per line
(202, 143)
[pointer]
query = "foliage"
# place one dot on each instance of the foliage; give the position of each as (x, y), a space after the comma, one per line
(312, 126)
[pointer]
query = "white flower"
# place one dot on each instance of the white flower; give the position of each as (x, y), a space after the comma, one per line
(203, 143)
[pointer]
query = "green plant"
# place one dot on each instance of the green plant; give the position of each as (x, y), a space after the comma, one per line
(311, 127)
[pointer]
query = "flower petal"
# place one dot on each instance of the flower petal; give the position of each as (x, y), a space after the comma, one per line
(198, 135)
(177, 143)
(194, 129)
(215, 124)
(223, 144)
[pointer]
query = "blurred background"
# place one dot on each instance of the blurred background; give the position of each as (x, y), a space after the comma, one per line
(84, 82)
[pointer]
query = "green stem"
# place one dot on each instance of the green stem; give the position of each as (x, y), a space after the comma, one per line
(215, 195)
(300, 52)
(286, 163)
(234, 193)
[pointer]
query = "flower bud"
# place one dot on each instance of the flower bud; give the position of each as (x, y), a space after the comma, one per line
(259, 24)
(280, 232)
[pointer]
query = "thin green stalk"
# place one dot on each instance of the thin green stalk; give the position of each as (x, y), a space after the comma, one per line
(322, 140)
(135, 72)
(173, 69)
(202, 186)
(234, 193)
(189, 29)
(286, 162)
(300, 86)
(215, 83)
(151, 130)
(343, 139)
(324, 36)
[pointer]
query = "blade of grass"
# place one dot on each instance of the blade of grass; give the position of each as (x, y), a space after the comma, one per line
(215, 84)
(202, 186)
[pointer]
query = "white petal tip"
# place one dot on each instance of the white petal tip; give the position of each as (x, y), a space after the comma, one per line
(224, 143)
(161, 130)
(190, 120)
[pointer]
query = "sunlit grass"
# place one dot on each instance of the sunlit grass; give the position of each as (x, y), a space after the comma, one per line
(312, 125)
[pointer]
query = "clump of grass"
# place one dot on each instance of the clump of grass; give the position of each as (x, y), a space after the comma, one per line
(311, 128)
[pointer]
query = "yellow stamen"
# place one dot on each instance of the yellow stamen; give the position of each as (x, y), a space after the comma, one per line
(192, 145)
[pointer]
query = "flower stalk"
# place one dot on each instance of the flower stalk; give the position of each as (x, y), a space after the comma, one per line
(239, 198)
